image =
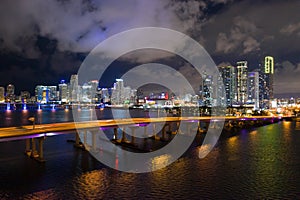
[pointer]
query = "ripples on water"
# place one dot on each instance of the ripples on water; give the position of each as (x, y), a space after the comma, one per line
(254, 164)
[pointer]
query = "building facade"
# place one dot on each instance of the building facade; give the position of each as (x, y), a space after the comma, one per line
(253, 89)
(242, 76)
(268, 76)
(228, 74)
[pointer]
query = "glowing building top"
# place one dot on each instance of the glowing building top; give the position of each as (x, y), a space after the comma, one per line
(269, 65)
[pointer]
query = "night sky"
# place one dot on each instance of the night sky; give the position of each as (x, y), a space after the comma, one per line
(42, 42)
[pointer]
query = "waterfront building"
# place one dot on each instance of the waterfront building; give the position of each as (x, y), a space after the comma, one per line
(10, 93)
(242, 75)
(45, 94)
(25, 96)
(86, 92)
(228, 74)
(206, 90)
(118, 92)
(41, 94)
(94, 90)
(268, 76)
(63, 92)
(105, 97)
(52, 93)
(73, 88)
(133, 96)
(253, 89)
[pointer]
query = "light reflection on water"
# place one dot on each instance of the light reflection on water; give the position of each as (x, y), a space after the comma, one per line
(255, 164)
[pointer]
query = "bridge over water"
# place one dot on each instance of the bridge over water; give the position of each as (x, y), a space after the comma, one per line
(31, 133)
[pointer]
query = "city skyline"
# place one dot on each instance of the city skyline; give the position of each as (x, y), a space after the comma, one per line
(242, 87)
(149, 99)
(52, 47)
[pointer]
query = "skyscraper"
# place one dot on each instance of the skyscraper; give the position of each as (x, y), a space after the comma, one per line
(63, 92)
(268, 75)
(206, 90)
(44, 94)
(74, 90)
(10, 93)
(94, 90)
(253, 89)
(229, 79)
(242, 75)
(118, 92)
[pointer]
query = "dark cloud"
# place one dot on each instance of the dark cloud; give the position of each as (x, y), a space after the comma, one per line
(287, 78)
(50, 38)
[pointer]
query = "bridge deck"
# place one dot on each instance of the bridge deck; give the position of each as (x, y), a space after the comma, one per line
(15, 133)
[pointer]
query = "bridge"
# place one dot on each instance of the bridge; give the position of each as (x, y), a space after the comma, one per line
(30, 133)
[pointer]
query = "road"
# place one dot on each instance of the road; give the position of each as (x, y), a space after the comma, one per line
(15, 133)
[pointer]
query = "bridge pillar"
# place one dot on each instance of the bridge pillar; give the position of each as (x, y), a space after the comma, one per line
(188, 127)
(205, 128)
(85, 145)
(133, 134)
(145, 132)
(40, 157)
(34, 153)
(154, 132)
(169, 127)
(27, 147)
(77, 141)
(115, 134)
(163, 133)
(94, 138)
(123, 139)
(177, 130)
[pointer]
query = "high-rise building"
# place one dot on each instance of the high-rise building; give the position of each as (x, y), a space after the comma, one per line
(10, 93)
(94, 90)
(268, 75)
(228, 74)
(74, 90)
(253, 89)
(206, 90)
(105, 95)
(44, 94)
(52, 93)
(63, 92)
(86, 93)
(242, 75)
(25, 96)
(118, 92)
(2, 94)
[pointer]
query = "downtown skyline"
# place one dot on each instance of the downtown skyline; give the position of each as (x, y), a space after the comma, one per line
(44, 42)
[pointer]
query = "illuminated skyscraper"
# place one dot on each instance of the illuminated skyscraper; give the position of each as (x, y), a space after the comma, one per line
(253, 89)
(74, 90)
(94, 90)
(268, 76)
(118, 92)
(52, 93)
(10, 93)
(63, 92)
(206, 90)
(44, 94)
(25, 96)
(86, 93)
(105, 95)
(242, 75)
(229, 79)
